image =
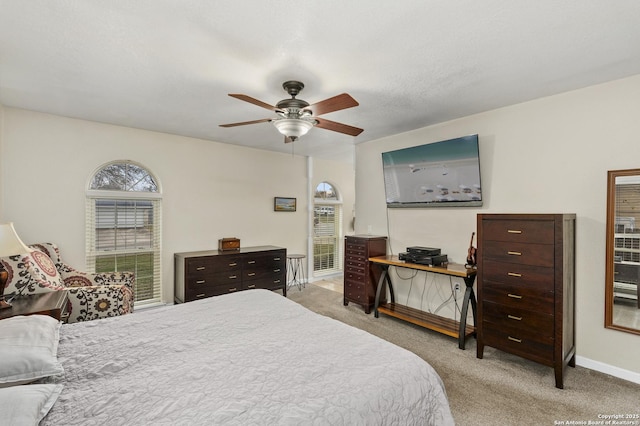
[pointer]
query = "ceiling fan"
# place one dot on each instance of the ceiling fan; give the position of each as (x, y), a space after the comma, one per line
(296, 116)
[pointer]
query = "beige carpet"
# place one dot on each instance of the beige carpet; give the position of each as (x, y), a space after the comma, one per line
(499, 389)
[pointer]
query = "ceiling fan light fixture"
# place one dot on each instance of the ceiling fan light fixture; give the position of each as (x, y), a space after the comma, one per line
(293, 127)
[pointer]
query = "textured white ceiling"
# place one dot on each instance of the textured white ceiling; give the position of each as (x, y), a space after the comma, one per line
(168, 65)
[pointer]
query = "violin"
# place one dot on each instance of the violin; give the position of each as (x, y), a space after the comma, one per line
(471, 254)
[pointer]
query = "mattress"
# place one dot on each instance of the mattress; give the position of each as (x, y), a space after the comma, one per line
(248, 358)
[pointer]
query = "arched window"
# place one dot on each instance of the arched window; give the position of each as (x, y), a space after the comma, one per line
(123, 226)
(327, 227)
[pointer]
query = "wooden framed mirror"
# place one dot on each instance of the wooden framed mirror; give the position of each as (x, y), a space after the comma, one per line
(622, 297)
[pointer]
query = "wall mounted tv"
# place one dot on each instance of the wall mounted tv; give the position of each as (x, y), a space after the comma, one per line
(438, 174)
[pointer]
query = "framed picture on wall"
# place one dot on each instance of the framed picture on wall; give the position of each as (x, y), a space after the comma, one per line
(284, 204)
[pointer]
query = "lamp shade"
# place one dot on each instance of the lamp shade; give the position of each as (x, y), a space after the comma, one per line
(10, 243)
(293, 127)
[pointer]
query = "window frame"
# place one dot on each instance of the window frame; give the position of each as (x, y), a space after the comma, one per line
(337, 204)
(91, 253)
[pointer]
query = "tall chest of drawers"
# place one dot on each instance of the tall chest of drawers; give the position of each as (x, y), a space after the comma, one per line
(526, 287)
(360, 281)
(212, 273)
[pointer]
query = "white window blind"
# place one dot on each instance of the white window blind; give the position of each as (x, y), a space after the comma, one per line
(326, 238)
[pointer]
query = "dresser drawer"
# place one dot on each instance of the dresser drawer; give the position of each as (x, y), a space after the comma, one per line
(355, 268)
(513, 343)
(199, 266)
(356, 251)
(526, 254)
(217, 278)
(226, 289)
(529, 231)
(209, 264)
(528, 323)
(355, 291)
(268, 283)
(356, 258)
(261, 273)
(209, 291)
(356, 244)
(519, 297)
(355, 277)
(517, 274)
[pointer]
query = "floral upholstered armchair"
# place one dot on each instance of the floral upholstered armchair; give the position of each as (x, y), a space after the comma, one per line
(91, 296)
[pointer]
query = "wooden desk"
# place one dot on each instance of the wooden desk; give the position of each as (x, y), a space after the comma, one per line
(437, 323)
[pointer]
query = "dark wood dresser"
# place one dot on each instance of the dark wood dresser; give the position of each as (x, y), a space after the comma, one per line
(360, 279)
(526, 287)
(201, 274)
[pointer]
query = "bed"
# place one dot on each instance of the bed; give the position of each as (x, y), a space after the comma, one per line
(252, 357)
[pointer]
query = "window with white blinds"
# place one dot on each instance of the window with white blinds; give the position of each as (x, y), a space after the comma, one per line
(327, 224)
(123, 226)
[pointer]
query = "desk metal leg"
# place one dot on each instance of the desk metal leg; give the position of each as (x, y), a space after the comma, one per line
(384, 279)
(469, 296)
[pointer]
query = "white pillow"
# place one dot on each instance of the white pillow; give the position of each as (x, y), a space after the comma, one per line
(28, 349)
(28, 404)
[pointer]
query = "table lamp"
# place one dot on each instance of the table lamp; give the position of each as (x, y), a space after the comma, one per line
(10, 245)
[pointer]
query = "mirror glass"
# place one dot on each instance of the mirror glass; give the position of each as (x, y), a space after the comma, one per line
(622, 310)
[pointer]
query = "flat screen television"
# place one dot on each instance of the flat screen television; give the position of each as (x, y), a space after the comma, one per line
(438, 174)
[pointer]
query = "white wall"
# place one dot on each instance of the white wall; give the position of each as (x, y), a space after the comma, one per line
(546, 156)
(210, 190)
(2, 175)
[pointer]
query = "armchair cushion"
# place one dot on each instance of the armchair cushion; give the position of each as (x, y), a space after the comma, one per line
(99, 301)
(31, 273)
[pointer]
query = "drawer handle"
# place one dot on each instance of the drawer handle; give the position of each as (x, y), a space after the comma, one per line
(514, 318)
(514, 253)
(200, 295)
(200, 268)
(514, 231)
(276, 258)
(200, 282)
(514, 296)
(276, 281)
(514, 274)
(513, 339)
(251, 262)
(233, 264)
(276, 270)
(233, 277)
(252, 286)
(251, 274)
(233, 289)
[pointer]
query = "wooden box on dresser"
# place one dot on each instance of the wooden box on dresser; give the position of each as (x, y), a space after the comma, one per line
(201, 274)
(360, 280)
(526, 287)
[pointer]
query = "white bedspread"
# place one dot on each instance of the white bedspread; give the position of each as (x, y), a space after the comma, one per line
(249, 358)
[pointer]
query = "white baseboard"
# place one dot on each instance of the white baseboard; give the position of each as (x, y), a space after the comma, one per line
(620, 373)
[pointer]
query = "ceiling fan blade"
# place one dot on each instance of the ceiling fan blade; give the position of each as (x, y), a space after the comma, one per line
(264, 120)
(336, 103)
(253, 101)
(338, 127)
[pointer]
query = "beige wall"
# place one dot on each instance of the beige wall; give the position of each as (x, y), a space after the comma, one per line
(2, 176)
(546, 156)
(210, 190)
